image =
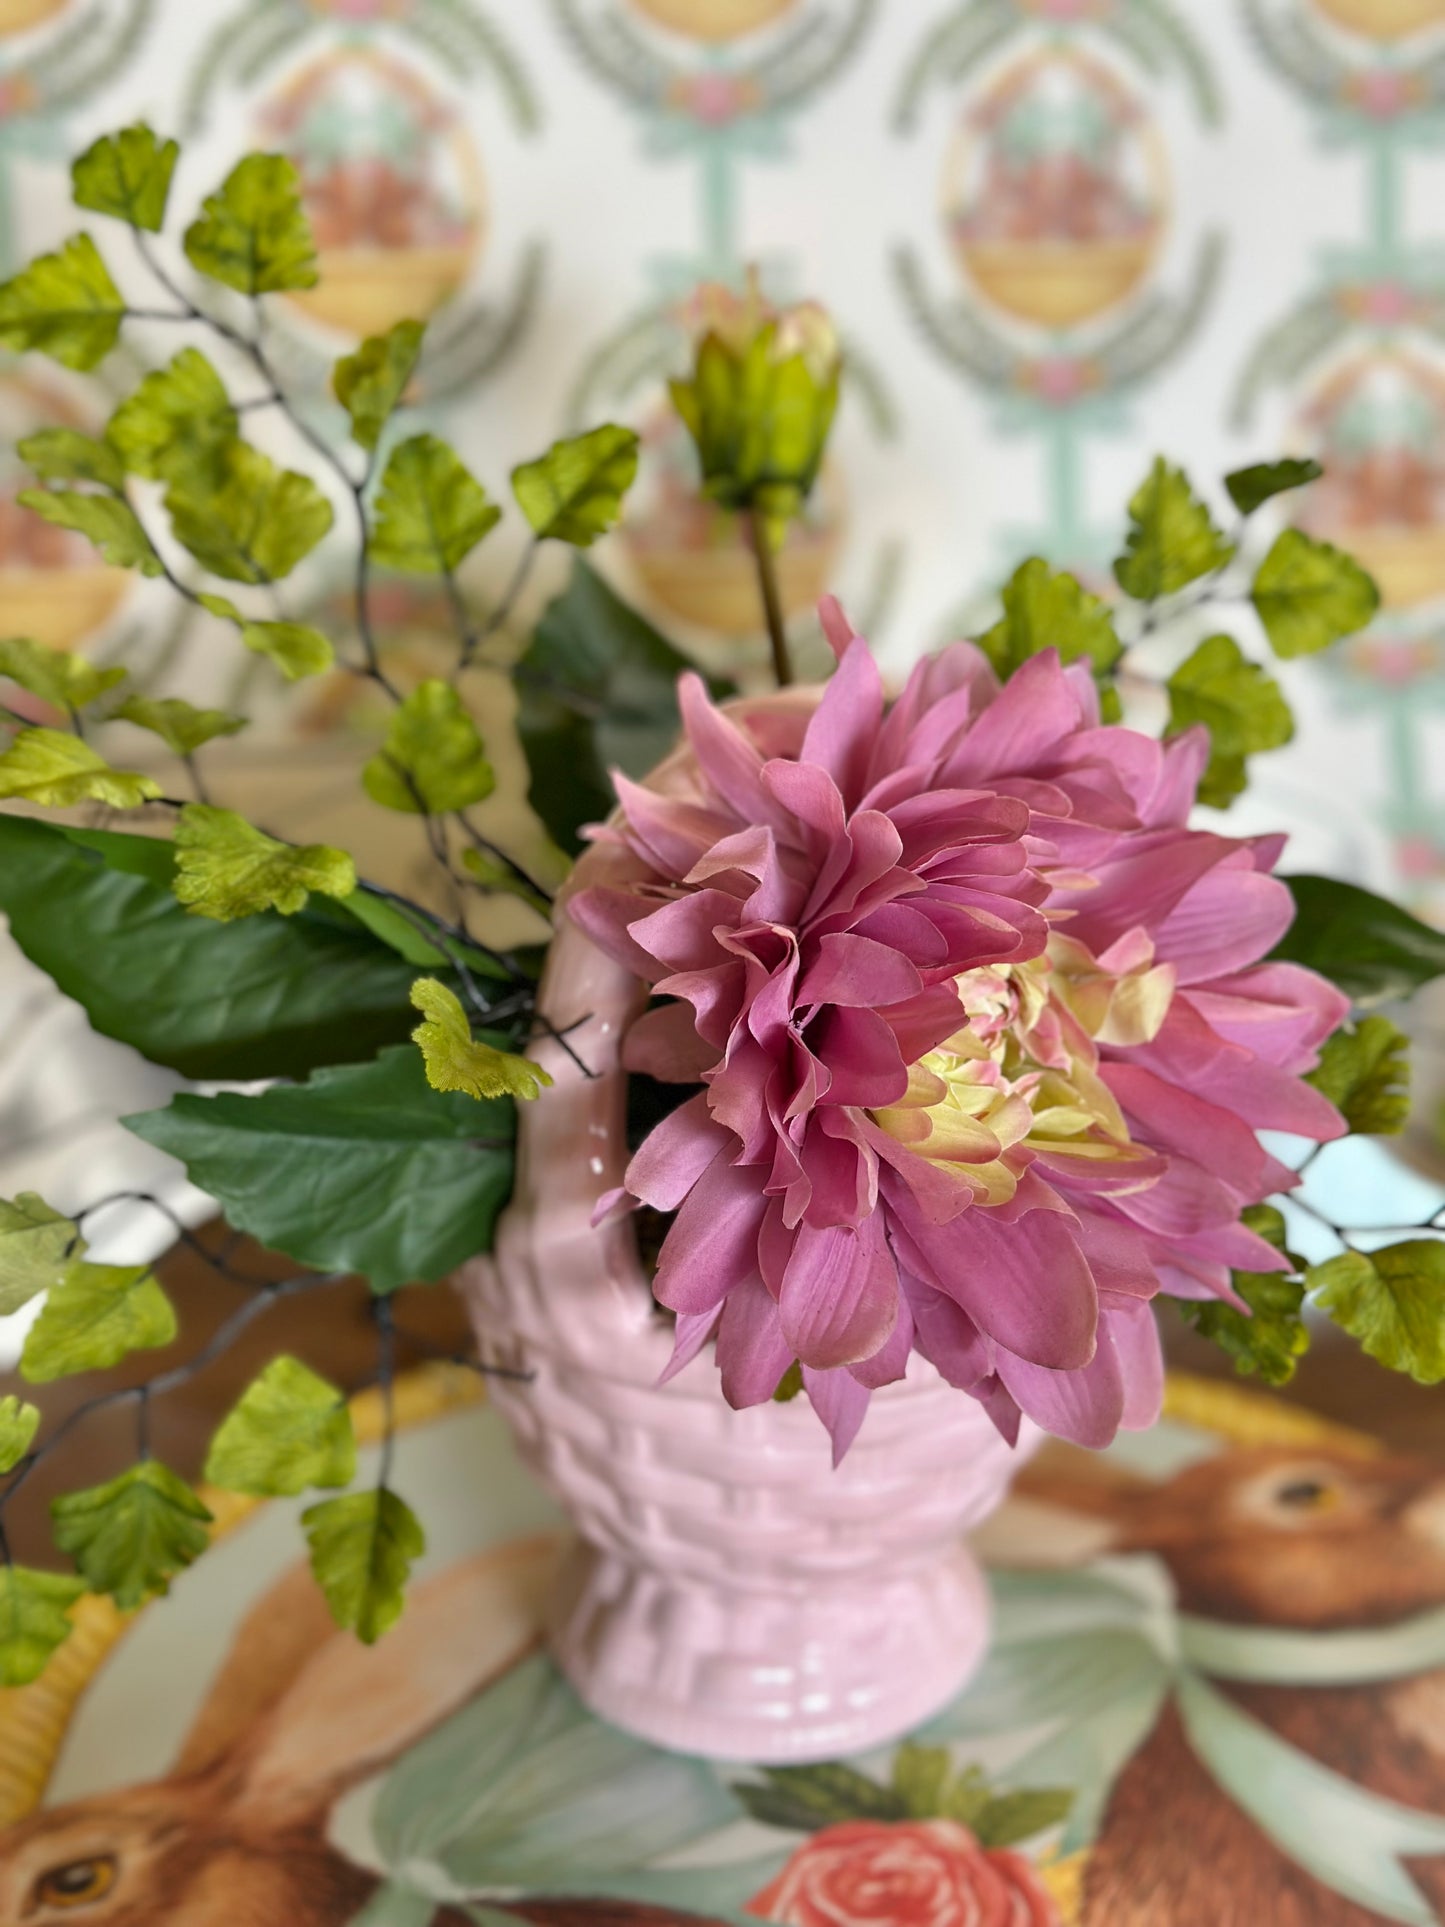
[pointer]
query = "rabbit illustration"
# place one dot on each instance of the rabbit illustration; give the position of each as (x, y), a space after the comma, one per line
(236, 1834)
(1310, 1540)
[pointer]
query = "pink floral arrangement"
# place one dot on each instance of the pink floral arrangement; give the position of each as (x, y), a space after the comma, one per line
(982, 1032)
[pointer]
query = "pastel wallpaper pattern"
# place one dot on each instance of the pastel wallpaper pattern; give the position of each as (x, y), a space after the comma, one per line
(1057, 234)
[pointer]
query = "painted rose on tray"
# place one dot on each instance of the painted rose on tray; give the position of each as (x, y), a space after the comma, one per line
(922, 1873)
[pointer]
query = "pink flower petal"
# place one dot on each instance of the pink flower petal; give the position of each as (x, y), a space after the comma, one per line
(841, 1402)
(839, 1300)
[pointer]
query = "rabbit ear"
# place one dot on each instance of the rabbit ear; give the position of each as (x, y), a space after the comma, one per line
(354, 1708)
(1066, 1507)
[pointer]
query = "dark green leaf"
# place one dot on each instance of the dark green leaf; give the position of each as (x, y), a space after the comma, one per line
(1392, 1300)
(574, 492)
(127, 176)
(1310, 594)
(131, 1537)
(1364, 1070)
(1011, 1817)
(34, 1620)
(362, 1169)
(106, 520)
(370, 382)
(1252, 486)
(790, 1385)
(258, 525)
(920, 1778)
(597, 689)
(92, 1318)
(431, 511)
(1243, 709)
(1372, 949)
(253, 234)
(1045, 610)
(1172, 538)
(64, 305)
(1272, 1339)
(433, 760)
(177, 426)
(65, 455)
(265, 997)
(288, 1430)
(362, 1550)
(804, 1799)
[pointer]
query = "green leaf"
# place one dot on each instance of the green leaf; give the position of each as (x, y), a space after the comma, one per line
(1172, 539)
(1250, 487)
(1310, 594)
(456, 1061)
(289, 1430)
(431, 511)
(1010, 1817)
(257, 525)
(131, 1537)
(296, 649)
(54, 769)
(127, 176)
(253, 234)
(364, 1168)
(106, 520)
(178, 425)
(1272, 1339)
(805, 1799)
(19, 1423)
(789, 1386)
(65, 455)
(1364, 1070)
(1392, 1300)
(597, 690)
(491, 874)
(55, 676)
(34, 1620)
(1370, 948)
(433, 761)
(36, 1244)
(227, 868)
(1047, 610)
(920, 1778)
(182, 728)
(64, 305)
(370, 382)
(265, 997)
(574, 492)
(362, 1550)
(1243, 709)
(93, 1317)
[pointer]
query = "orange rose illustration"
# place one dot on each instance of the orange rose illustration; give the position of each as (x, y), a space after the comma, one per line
(923, 1873)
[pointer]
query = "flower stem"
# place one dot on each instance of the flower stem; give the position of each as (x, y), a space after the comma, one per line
(772, 600)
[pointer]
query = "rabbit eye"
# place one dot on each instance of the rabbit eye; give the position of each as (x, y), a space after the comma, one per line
(1304, 1494)
(78, 1885)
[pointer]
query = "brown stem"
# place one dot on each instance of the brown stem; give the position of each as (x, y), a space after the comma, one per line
(772, 601)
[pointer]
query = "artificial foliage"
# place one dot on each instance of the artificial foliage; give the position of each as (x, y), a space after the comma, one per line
(395, 1041)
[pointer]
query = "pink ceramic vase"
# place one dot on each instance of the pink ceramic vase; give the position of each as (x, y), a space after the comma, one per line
(729, 1593)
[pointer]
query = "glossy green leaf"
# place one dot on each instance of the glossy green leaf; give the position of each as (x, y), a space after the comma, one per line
(34, 1620)
(363, 1546)
(1250, 487)
(1364, 1070)
(433, 760)
(64, 305)
(431, 511)
(19, 1423)
(130, 1537)
(93, 1317)
(1370, 948)
(178, 425)
(296, 649)
(1044, 609)
(54, 675)
(288, 1431)
(597, 690)
(127, 176)
(257, 525)
(457, 1061)
(36, 1244)
(55, 769)
(364, 1168)
(1392, 1301)
(65, 455)
(264, 997)
(370, 382)
(226, 868)
(1172, 539)
(574, 492)
(1243, 709)
(106, 520)
(252, 233)
(181, 727)
(1309, 594)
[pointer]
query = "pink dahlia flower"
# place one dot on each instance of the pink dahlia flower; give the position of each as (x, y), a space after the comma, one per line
(983, 1038)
